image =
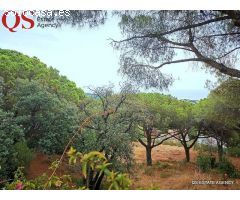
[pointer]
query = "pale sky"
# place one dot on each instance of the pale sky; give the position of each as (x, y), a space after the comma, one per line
(86, 57)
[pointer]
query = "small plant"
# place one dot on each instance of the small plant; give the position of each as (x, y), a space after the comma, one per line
(148, 171)
(226, 167)
(205, 162)
(165, 175)
(160, 165)
(94, 167)
(24, 154)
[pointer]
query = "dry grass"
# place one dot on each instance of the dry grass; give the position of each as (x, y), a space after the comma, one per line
(177, 174)
(162, 153)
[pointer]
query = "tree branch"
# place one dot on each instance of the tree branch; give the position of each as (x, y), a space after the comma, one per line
(179, 29)
(214, 64)
(140, 140)
(218, 35)
(178, 61)
(228, 52)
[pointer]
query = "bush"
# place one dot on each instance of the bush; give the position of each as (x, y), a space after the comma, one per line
(205, 162)
(10, 133)
(204, 148)
(24, 154)
(54, 121)
(234, 151)
(226, 167)
(160, 165)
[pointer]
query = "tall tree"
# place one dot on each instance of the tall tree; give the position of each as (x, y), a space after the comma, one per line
(184, 125)
(220, 114)
(155, 39)
(110, 130)
(153, 121)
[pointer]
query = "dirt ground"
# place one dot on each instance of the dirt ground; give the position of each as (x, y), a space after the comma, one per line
(169, 171)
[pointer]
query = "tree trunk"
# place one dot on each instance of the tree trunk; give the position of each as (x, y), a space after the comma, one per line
(89, 179)
(149, 155)
(187, 153)
(220, 151)
(99, 181)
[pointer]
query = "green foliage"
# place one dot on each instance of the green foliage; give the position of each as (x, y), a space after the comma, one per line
(172, 143)
(149, 36)
(222, 104)
(154, 109)
(10, 134)
(118, 181)
(48, 122)
(226, 167)
(94, 166)
(205, 162)
(14, 65)
(24, 154)
(94, 160)
(227, 98)
(204, 148)
(218, 114)
(234, 151)
(112, 126)
(182, 114)
(37, 105)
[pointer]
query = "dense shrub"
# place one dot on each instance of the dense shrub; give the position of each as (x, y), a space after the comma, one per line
(59, 129)
(226, 167)
(48, 121)
(24, 154)
(10, 133)
(205, 162)
(234, 151)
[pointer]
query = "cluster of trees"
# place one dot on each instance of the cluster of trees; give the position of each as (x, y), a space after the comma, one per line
(38, 109)
(220, 115)
(44, 116)
(165, 117)
(41, 110)
(152, 118)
